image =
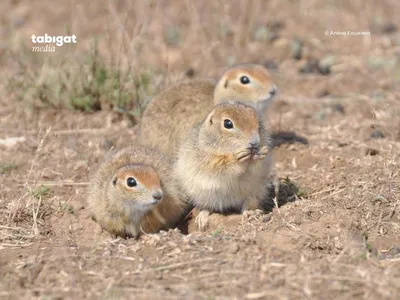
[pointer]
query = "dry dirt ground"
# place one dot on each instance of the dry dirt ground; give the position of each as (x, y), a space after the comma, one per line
(336, 123)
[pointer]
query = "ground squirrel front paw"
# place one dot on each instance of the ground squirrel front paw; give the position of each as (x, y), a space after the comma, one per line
(243, 155)
(202, 219)
(261, 154)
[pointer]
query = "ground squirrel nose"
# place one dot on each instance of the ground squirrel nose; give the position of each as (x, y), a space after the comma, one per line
(273, 90)
(254, 147)
(157, 195)
(255, 141)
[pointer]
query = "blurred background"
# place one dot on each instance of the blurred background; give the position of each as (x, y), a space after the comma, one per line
(128, 50)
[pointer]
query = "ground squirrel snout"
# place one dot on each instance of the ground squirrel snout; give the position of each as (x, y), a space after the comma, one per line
(132, 192)
(173, 112)
(222, 163)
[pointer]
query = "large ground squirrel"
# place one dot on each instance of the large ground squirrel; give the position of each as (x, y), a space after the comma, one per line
(223, 163)
(171, 114)
(133, 192)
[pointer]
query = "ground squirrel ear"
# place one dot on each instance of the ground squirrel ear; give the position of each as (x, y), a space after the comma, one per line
(114, 181)
(226, 83)
(209, 118)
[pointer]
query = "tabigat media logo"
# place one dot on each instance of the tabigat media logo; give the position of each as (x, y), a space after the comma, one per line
(49, 43)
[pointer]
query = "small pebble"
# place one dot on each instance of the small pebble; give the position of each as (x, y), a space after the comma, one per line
(233, 248)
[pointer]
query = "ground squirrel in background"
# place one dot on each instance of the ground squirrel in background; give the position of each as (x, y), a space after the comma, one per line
(133, 193)
(173, 112)
(223, 163)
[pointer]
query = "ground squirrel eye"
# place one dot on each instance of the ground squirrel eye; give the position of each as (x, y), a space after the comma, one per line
(131, 182)
(228, 124)
(244, 80)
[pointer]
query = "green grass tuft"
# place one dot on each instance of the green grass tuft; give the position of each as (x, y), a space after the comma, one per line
(41, 191)
(85, 83)
(294, 188)
(6, 167)
(217, 232)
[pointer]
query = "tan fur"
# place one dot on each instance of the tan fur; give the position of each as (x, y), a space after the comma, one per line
(210, 166)
(256, 93)
(172, 113)
(125, 211)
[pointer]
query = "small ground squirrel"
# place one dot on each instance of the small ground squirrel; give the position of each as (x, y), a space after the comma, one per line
(223, 164)
(171, 114)
(133, 192)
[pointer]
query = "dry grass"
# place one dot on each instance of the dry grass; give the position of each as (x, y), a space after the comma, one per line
(337, 124)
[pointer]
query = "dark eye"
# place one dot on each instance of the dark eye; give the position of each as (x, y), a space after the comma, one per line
(131, 182)
(228, 124)
(244, 80)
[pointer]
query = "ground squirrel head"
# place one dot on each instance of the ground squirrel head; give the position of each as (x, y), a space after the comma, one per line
(230, 127)
(136, 187)
(248, 83)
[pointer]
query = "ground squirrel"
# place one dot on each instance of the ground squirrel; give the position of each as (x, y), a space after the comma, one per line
(171, 114)
(133, 192)
(222, 164)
